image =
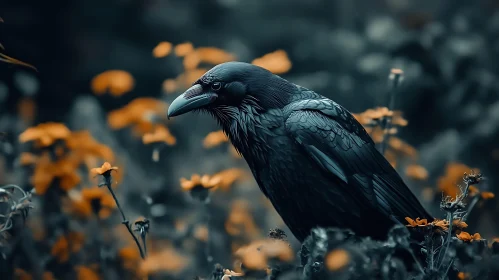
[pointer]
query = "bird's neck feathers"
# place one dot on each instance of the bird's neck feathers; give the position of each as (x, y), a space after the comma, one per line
(249, 124)
(273, 92)
(244, 128)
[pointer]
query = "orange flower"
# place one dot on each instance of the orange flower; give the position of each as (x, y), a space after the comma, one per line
(66, 171)
(416, 172)
(488, 195)
(208, 55)
(463, 276)
(337, 259)
(214, 139)
(227, 177)
(417, 222)
(45, 134)
(48, 276)
(454, 173)
(201, 233)
(46, 171)
(391, 157)
(130, 257)
(66, 245)
(22, 275)
(223, 179)
(86, 273)
(376, 133)
(141, 113)
(180, 225)
(402, 147)
(27, 159)
(255, 255)
(104, 170)
(84, 145)
(473, 190)
(398, 120)
(459, 224)
(190, 76)
(195, 181)
(160, 134)
(442, 224)
(276, 62)
(162, 49)
(439, 225)
(94, 199)
(155, 262)
(27, 109)
(371, 116)
(43, 174)
(240, 220)
(170, 86)
(183, 49)
(116, 82)
(214, 55)
(466, 237)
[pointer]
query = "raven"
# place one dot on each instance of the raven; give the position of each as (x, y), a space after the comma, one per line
(309, 155)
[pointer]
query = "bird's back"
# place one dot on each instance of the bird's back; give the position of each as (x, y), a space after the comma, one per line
(323, 169)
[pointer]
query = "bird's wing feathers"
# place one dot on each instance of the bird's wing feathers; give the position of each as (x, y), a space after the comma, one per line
(340, 146)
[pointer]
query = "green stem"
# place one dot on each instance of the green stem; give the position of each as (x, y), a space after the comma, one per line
(395, 79)
(125, 220)
(449, 240)
(471, 207)
(143, 237)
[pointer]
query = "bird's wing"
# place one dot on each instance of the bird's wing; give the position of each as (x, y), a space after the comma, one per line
(341, 147)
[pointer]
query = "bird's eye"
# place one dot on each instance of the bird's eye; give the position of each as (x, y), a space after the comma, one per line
(216, 86)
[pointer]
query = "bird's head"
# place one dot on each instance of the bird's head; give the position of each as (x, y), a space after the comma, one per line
(230, 88)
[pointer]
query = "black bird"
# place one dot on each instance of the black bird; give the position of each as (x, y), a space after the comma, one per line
(309, 155)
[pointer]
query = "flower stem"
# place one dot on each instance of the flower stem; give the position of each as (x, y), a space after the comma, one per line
(143, 237)
(470, 208)
(395, 78)
(207, 251)
(125, 220)
(449, 240)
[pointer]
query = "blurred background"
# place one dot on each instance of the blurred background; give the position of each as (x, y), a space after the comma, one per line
(109, 69)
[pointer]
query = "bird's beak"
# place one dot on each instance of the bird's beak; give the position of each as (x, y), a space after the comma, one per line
(193, 98)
